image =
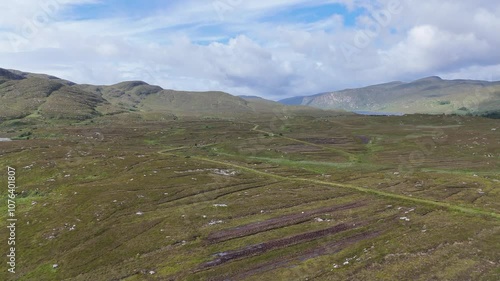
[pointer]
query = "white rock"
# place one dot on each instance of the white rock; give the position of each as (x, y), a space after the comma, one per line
(220, 205)
(225, 172)
(214, 222)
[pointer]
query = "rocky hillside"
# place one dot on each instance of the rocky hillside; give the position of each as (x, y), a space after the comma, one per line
(429, 95)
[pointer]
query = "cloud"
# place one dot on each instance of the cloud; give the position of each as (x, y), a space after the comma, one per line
(429, 48)
(245, 49)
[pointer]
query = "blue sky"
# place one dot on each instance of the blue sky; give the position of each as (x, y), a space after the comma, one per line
(132, 9)
(312, 13)
(272, 48)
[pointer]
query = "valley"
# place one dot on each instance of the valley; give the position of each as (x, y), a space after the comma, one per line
(283, 197)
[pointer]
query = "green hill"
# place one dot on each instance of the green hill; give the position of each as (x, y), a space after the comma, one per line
(431, 95)
(45, 97)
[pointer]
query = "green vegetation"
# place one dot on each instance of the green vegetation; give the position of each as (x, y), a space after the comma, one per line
(335, 198)
(24, 136)
(431, 95)
(491, 114)
(244, 190)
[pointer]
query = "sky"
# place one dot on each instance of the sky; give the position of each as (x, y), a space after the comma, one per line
(269, 48)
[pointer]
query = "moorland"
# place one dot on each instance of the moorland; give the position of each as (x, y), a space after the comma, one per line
(126, 189)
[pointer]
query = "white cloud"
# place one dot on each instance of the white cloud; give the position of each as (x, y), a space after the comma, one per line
(429, 48)
(455, 39)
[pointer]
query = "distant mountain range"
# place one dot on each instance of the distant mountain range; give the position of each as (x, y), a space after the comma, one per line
(37, 96)
(431, 95)
(40, 97)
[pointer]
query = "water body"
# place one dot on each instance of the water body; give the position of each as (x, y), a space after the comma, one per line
(378, 113)
(5, 139)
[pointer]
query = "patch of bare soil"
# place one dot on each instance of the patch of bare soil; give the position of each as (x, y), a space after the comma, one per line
(338, 140)
(261, 248)
(328, 249)
(274, 223)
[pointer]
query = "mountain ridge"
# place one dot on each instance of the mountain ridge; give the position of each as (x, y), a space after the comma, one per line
(429, 95)
(29, 95)
(41, 96)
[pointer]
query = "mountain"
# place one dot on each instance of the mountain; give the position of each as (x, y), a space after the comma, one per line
(250, 97)
(40, 96)
(297, 100)
(45, 97)
(140, 96)
(33, 95)
(428, 95)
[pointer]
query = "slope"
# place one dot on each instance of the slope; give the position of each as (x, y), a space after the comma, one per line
(429, 95)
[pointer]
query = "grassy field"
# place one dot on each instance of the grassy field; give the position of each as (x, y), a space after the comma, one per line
(127, 197)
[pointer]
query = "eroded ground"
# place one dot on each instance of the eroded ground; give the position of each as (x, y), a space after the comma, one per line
(294, 198)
